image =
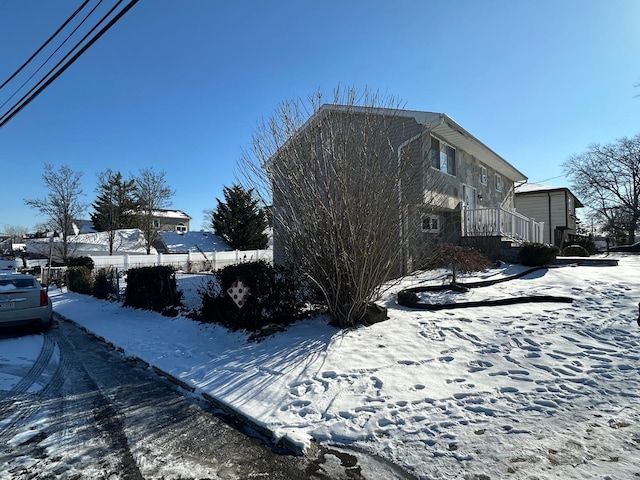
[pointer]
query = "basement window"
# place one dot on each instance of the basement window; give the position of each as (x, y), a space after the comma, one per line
(430, 223)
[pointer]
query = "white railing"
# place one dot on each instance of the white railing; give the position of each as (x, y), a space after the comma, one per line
(187, 262)
(499, 221)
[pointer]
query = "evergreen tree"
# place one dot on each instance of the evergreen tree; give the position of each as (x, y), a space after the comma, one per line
(115, 206)
(239, 220)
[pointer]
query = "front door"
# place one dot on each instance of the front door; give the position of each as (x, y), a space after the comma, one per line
(469, 197)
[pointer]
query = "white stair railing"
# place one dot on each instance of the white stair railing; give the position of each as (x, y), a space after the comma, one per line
(500, 221)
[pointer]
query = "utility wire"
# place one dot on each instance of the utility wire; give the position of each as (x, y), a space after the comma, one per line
(35, 91)
(50, 56)
(45, 44)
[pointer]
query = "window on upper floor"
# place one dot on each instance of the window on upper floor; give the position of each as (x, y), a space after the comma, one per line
(181, 228)
(430, 223)
(156, 223)
(498, 183)
(442, 156)
(483, 175)
(570, 204)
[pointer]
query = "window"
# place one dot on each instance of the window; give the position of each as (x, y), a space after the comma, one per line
(570, 207)
(498, 183)
(483, 175)
(430, 223)
(181, 228)
(442, 156)
(156, 223)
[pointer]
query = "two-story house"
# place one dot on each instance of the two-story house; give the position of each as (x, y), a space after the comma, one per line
(171, 221)
(463, 187)
(556, 206)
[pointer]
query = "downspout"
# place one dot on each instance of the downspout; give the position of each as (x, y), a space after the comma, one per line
(565, 234)
(403, 214)
(550, 230)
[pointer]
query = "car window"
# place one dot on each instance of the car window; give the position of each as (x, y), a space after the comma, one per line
(14, 283)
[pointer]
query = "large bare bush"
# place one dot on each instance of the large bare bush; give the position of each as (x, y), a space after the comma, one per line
(341, 186)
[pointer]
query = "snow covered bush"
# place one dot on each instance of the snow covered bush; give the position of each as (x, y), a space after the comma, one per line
(252, 295)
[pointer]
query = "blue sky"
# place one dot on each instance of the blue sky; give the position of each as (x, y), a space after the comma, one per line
(181, 85)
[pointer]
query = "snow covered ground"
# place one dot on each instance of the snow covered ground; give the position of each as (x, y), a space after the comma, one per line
(529, 391)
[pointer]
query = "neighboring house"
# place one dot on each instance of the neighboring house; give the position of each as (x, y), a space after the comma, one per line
(555, 206)
(163, 220)
(475, 184)
(171, 221)
(175, 242)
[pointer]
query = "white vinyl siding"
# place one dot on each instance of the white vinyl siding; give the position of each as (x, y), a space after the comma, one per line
(537, 206)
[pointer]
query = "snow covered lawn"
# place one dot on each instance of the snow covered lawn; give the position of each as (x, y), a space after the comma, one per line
(540, 390)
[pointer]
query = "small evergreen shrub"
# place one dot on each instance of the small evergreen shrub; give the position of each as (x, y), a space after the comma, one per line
(79, 280)
(575, 251)
(588, 244)
(153, 288)
(537, 254)
(105, 285)
(276, 296)
(81, 262)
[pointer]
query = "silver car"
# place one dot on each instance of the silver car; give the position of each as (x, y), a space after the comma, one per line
(24, 301)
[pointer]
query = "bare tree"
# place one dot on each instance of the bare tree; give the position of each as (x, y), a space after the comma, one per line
(607, 180)
(62, 205)
(342, 190)
(152, 194)
(17, 234)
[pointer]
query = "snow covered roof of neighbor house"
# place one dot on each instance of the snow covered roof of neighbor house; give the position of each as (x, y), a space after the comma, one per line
(129, 240)
(177, 242)
(171, 214)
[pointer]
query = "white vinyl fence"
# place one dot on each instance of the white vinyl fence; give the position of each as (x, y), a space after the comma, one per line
(191, 262)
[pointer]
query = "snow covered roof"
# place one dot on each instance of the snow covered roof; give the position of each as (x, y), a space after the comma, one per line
(130, 240)
(177, 242)
(171, 214)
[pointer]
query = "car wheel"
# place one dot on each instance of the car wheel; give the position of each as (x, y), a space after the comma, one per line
(48, 324)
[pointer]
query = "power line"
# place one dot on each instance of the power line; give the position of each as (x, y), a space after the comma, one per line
(53, 74)
(51, 55)
(45, 43)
